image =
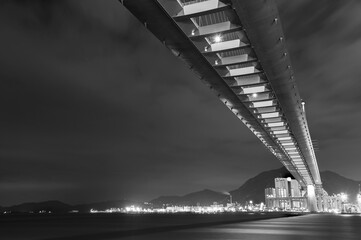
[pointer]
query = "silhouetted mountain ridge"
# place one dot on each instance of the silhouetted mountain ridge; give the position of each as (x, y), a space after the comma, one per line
(334, 183)
(52, 206)
(60, 207)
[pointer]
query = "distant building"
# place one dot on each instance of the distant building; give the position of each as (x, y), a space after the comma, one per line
(286, 195)
(281, 185)
(359, 198)
(323, 200)
(335, 202)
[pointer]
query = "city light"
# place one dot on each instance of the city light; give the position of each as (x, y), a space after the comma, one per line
(215, 208)
(344, 197)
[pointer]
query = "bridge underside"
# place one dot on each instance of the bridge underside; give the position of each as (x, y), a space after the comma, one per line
(237, 48)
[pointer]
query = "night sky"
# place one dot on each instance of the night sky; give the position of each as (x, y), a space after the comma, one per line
(94, 107)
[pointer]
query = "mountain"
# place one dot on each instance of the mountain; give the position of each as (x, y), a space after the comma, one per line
(334, 183)
(205, 197)
(52, 206)
(253, 189)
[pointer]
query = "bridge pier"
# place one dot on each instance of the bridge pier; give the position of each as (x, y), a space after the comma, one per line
(311, 199)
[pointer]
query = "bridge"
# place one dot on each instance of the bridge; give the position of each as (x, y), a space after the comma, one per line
(237, 48)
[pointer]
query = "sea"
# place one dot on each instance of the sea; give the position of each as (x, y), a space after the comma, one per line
(227, 226)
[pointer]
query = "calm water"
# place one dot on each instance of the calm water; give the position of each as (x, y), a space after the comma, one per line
(181, 226)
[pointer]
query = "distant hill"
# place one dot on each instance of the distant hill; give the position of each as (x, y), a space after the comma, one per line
(103, 205)
(60, 207)
(253, 189)
(205, 197)
(53, 206)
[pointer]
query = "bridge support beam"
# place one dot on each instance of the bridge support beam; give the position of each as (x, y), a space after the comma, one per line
(311, 198)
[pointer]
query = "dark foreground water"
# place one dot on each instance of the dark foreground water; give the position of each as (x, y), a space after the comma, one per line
(180, 226)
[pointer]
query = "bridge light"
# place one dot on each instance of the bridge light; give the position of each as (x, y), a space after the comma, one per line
(217, 39)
